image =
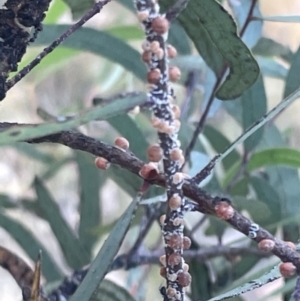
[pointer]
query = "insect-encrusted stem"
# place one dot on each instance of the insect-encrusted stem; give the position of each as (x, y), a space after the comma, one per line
(165, 120)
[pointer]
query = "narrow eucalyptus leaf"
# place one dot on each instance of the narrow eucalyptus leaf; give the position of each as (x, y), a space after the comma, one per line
(271, 276)
(98, 42)
(104, 258)
(274, 156)
(89, 206)
(74, 252)
(31, 246)
(293, 79)
(254, 102)
(109, 291)
(25, 132)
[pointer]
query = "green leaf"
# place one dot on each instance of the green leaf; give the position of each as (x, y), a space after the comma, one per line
(251, 285)
(293, 79)
(31, 246)
(128, 128)
(99, 267)
(129, 32)
(98, 42)
(179, 39)
(266, 193)
(79, 7)
(271, 67)
(5, 202)
(125, 179)
(109, 291)
(275, 156)
(21, 133)
(89, 207)
(214, 34)
(269, 47)
(74, 252)
(286, 182)
(254, 102)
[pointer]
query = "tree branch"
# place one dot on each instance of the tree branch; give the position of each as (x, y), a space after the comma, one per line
(206, 202)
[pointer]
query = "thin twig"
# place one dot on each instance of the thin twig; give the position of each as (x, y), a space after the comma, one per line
(96, 9)
(253, 128)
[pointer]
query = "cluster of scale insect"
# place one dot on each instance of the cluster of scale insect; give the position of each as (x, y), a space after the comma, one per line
(20, 21)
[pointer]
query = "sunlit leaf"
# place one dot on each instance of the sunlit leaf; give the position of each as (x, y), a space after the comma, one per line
(275, 156)
(79, 7)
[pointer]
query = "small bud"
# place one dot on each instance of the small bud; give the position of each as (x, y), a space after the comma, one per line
(102, 163)
(162, 260)
(156, 122)
(162, 219)
(176, 111)
(146, 56)
(160, 54)
(224, 210)
(154, 153)
(175, 202)
(172, 52)
(287, 269)
(143, 15)
(178, 178)
(122, 143)
(177, 124)
(175, 154)
(153, 76)
(291, 244)
(174, 74)
(266, 245)
(154, 46)
(149, 171)
(186, 267)
(145, 45)
(160, 25)
(184, 279)
(163, 272)
(171, 292)
(175, 241)
(174, 259)
(186, 243)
